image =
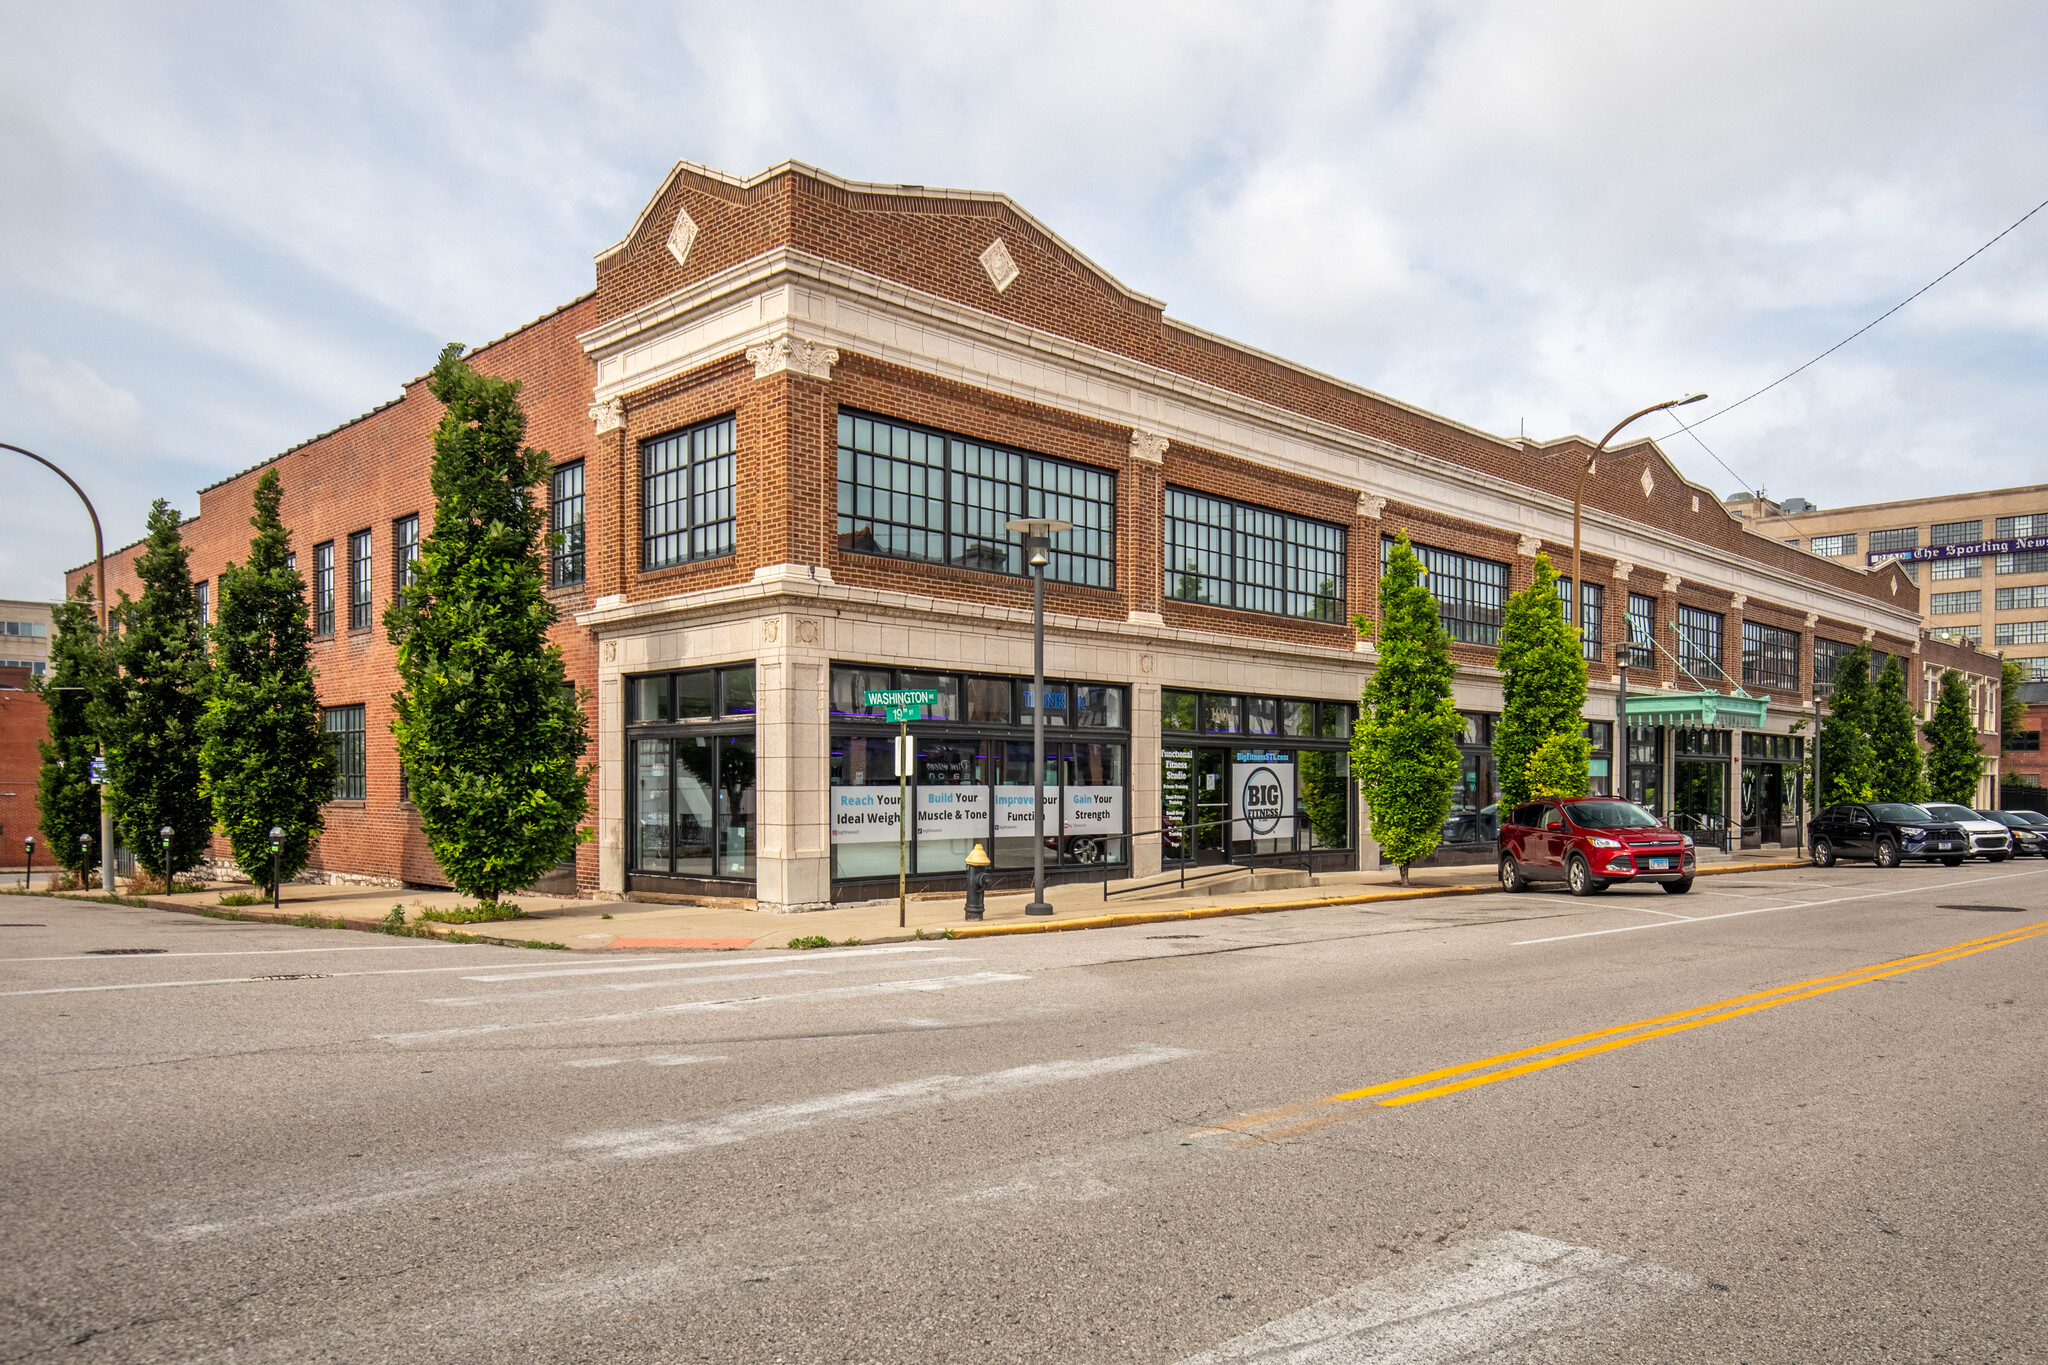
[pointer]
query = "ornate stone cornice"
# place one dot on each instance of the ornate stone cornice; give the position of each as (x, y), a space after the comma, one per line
(794, 354)
(608, 415)
(1739, 601)
(1148, 446)
(1672, 580)
(1370, 505)
(1622, 569)
(1528, 545)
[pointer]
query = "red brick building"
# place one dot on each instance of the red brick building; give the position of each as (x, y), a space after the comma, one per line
(789, 423)
(24, 720)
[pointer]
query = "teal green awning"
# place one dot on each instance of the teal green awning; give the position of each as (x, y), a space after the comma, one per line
(1709, 709)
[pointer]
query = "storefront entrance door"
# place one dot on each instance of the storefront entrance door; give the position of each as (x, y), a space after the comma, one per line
(1763, 804)
(1212, 805)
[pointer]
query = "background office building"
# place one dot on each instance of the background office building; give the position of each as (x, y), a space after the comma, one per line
(789, 424)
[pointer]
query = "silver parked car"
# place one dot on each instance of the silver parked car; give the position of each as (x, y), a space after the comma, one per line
(1989, 840)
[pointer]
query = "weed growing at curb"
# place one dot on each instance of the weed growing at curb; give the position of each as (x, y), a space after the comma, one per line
(136, 901)
(604, 916)
(474, 914)
(212, 913)
(459, 937)
(810, 941)
(542, 943)
(244, 898)
(309, 920)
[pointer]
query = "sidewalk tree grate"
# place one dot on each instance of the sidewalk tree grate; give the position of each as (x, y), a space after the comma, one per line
(123, 952)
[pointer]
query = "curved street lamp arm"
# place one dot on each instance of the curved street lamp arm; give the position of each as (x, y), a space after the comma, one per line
(99, 543)
(1655, 407)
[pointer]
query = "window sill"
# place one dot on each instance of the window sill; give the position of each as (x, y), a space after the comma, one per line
(348, 803)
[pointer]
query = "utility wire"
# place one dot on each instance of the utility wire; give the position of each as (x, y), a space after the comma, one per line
(1865, 327)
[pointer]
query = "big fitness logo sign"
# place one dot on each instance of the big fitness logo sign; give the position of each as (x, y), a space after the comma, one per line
(1262, 795)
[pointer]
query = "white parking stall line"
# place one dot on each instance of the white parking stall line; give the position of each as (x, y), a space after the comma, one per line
(229, 952)
(1646, 910)
(877, 988)
(641, 965)
(1489, 1299)
(673, 983)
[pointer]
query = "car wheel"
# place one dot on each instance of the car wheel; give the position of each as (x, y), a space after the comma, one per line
(1823, 853)
(1951, 862)
(1887, 853)
(1511, 878)
(1678, 888)
(1581, 879)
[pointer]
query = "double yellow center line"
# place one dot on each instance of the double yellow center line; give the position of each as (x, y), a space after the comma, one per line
(1289, 1121)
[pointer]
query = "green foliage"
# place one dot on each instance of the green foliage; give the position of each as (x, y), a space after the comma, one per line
(1955, 765)
(265, 760)
(809, 941)
(1558, 768)
(1404, 749)
(1897, 773)
(542, 943)
(1543, 687)
(150, 715)
(1324, 797)
(1848, 766)
(488, 729)
(244, 898)
(66, 798)
(2012, 712)
(486, 913)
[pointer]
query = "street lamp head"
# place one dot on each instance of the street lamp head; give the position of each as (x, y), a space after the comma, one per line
(1038, 533)
(1696, 398)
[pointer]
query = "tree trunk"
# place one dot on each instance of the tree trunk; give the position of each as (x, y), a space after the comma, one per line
(1404, 874)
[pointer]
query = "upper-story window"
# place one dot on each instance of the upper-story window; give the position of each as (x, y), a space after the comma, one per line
(687, 495)
(359, 581)
(565, 523)
(1642, 630)
(1895, 542)
(405, 554)
(1469, 592)
(323, 588)
(1231, 554)
(345, 734)
(1592, 609)
(1827, 656)
(2023, 599)
(2022, 633)
(1956, 603)
(1699, 644)
(1770, 657)
(1955, 532)
(1835, 545)
(2025, 561)
(912, 493)
(1972, 567)
(2033, 524)
(202, 601)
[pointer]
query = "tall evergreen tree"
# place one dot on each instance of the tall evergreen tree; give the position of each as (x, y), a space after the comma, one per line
(1898, 773)
(488, 729)
(1543, 692)
(2012, 712)
(1955, 765)
(1847, 764)
(66, 797)
(1405, 747)
(265, 759)
(151, 713)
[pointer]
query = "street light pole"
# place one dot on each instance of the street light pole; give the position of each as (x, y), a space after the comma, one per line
(1577, 609)
(1038, 533)
(99, 559)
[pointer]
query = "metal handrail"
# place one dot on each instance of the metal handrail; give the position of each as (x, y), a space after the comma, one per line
(1230, 865)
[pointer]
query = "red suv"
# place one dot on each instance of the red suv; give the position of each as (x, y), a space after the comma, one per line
(1591, 842)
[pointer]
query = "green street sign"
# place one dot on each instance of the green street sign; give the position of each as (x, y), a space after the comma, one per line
(906, 713)
(902, 696)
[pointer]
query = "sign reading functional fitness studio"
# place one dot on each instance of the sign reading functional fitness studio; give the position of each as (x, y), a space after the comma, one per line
(1262, 796)
(1974, 550)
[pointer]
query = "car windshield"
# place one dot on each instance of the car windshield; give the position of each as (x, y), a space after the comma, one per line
(1943, 810)
(1898, 810)
(1611, 815)
(2005, 817)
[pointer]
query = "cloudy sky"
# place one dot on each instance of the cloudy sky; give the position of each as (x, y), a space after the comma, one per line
(228, 227)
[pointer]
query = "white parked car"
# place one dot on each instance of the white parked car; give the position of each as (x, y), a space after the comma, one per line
(1989, 840)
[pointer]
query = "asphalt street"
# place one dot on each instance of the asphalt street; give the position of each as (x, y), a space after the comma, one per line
(1789, 1117)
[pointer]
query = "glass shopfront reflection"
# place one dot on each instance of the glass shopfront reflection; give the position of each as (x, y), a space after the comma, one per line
(691, 749)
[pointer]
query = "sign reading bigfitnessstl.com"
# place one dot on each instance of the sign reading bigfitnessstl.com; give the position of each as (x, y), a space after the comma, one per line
(1974, 550)
(1262, 796)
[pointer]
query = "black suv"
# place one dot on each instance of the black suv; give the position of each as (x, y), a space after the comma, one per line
(1887, 833)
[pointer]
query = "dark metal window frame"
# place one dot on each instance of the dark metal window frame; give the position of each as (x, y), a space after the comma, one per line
(1827, 657)
(2021, 633)
(1956, 532)
(1698, 629)
(323, 588)
(202, 600)
(2023, 562)
(344, 727)
(1593, 610)
(1770, 657)
(565, 524)
(2027, 524)
(1642, 630)
(1478, 590)
(689, 482)
(947, 496)
(1895, 541)
(1212, 557)
(405, 554)
(2022, 599)
(724, 724)
(1958, 603)
(359, 580)
(1834, 546)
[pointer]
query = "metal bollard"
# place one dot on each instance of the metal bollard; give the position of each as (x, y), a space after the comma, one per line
(977, 879)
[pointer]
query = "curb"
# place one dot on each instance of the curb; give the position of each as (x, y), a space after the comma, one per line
(1205, 912)
(1724, 869)
(420, 929)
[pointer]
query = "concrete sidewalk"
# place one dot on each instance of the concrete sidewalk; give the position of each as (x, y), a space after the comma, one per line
(586, 925)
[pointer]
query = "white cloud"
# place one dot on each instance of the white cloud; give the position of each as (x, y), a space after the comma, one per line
(80, 396)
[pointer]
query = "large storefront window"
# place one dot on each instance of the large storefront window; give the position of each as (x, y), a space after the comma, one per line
(1246, 775)
(971, 780)
(1770, 789)
(1699, 784)
(690, 740)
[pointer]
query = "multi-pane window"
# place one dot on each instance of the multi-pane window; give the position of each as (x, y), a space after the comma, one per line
(2036, 670)
(1972, 567)
(1912, 571)
(2026, 561)
(1770, 657)
(911, 493)
(1956, 603)
(2025, 741)
(1230, 554)
(1895, 542)
(202, 602)
(687, 495)
(344, 728)
(2011, 528)
(2022, 633)
(1642, 630)
(1835, 545)
(405, 554)
(1955, 532)
(1469, 592)
(323, 588)
(565, 522)
(359, 581)
(1592, 609)
(1827, 656)
(1972, 632)
(2023, 599)
(1699, 643)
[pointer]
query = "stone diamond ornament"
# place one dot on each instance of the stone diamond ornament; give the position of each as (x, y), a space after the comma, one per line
(681, 236)
(1000, 265)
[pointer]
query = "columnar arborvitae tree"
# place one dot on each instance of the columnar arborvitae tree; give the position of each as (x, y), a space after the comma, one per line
(151, 713)
(1898, 773)
(488, 729)
(267, 764)
(2012, 712)
(1404, 750)
(1543, 693)
(1955, 765)
(65, 795)
(1847, 766)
